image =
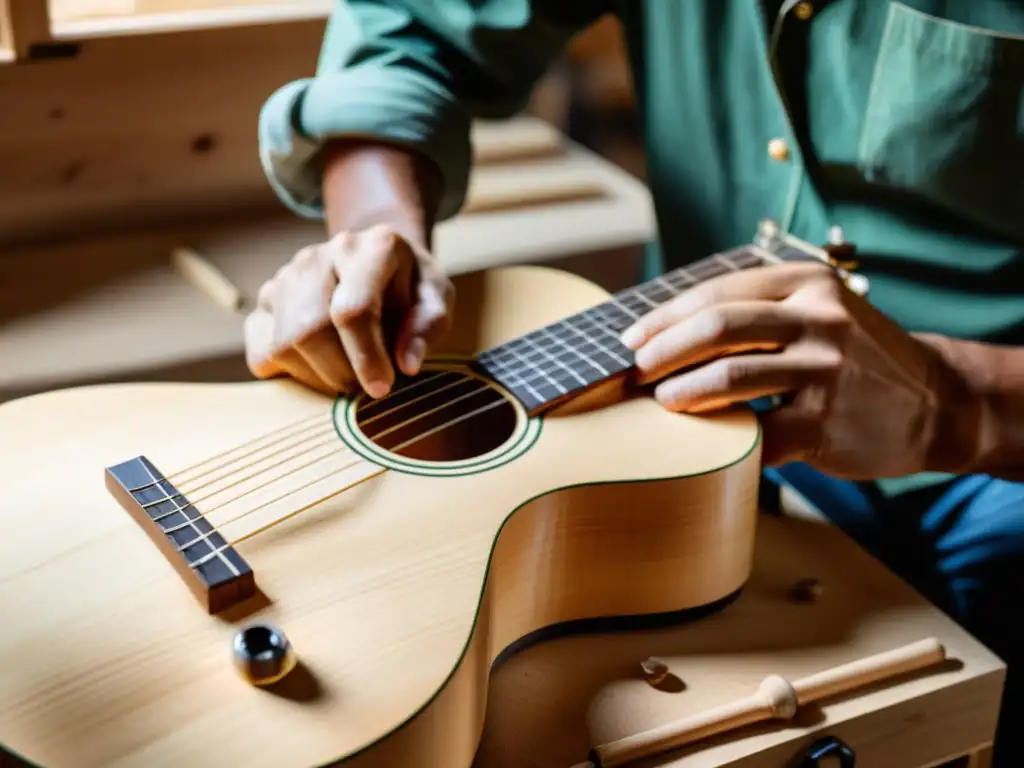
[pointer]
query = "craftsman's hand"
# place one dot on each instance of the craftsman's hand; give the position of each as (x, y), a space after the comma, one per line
(340, 315)
(861, 398)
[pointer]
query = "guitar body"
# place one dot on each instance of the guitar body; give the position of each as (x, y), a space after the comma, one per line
(399, 577)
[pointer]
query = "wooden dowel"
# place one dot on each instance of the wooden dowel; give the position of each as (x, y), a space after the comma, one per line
(208, 279)
(776, 698)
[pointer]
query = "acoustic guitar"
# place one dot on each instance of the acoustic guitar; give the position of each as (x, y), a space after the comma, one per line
(253, 574)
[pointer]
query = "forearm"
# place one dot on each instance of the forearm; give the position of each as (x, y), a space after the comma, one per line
(407, 74)
(367, 183)
(982, 430)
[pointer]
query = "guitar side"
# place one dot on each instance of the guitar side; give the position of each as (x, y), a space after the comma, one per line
(397, 593)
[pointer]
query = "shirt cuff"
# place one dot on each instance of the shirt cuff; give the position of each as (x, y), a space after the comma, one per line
(396, 107)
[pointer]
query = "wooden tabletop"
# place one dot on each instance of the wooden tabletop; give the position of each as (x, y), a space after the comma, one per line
(551, 702)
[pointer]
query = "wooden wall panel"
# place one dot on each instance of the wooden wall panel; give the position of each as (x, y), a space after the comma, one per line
(140, 129)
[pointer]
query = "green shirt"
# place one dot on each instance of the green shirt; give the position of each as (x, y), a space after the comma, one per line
(902, 122)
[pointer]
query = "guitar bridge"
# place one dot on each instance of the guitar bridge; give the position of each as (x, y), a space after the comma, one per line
(210, 567)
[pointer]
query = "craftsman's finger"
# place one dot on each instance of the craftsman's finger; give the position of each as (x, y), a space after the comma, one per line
(365, 268)
(426, 322)
(291, 362)
(717, 330)
(772, 283)
(302, 297)
(259, 345)
(323, 353)
(734, 379)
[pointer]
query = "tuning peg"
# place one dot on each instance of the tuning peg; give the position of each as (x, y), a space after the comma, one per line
(840, 251)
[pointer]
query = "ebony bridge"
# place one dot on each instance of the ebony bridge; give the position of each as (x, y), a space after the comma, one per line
(210, 567)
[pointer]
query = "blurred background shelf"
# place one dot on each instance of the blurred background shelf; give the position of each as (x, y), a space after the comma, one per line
(135, 134)
(112, 307)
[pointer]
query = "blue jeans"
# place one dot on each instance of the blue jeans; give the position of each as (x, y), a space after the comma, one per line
(959, 543)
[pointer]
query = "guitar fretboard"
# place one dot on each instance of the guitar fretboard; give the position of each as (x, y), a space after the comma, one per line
(567, 357)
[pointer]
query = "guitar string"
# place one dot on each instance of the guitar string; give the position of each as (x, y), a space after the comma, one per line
(317, 431)
(292, 430)
(203, 514)
(321, 431)
(271, 524)
(690, 274)
(329, 438)
(176, 477)
(377, 470)
(402, 389)
(288, 428)
(471, 414)
(328, 455)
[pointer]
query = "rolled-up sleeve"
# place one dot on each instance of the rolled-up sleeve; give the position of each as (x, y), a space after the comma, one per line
(412, 73)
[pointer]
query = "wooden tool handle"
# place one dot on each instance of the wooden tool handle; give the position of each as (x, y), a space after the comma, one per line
(208, 279)
(775, 699)
(857, 674)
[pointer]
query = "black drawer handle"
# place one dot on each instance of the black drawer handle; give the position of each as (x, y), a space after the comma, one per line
(828, 746)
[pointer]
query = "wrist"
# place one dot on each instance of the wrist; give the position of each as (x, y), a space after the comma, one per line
(368, 183)
(963, 437)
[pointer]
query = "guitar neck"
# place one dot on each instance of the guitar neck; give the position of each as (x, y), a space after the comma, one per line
(565, 358)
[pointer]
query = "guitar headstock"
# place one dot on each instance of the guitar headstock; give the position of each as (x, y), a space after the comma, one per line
(837, 252)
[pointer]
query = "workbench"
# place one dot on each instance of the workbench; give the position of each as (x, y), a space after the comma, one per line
(553, 701)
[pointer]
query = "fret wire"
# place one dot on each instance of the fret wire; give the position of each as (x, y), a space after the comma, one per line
(532, 360)
(600, 309)
(584, 316)
(535, 393)
(671, 288)
(722, 258)
(638, 313)
(586, 358)
(552, 358)
(537, 373)
(620, 305)
(657, 292)
(607, 311)
(687, 280)
(637, 292)
(584, 335)
(528, 372)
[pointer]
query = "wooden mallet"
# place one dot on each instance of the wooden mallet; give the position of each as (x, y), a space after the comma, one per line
(776, 699)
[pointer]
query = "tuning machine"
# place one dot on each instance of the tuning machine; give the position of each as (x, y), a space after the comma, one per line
(840, 254)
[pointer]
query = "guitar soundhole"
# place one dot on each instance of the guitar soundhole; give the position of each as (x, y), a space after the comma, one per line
(439, 416)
